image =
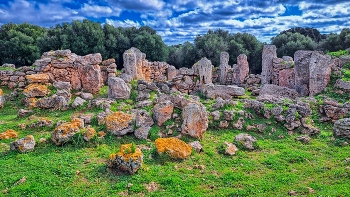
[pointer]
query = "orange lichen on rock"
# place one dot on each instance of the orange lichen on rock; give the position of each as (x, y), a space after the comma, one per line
(23, 145)
(127, 152)
(1, 92)
(89, 134)
(36, 90)
(32, 102)
(118, 121)
(38, 78)
(66, 131)
(174, 147)
(101, 134)
(9, 134)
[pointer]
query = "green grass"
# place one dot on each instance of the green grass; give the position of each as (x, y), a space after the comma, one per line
(79, 168)
(339, 53)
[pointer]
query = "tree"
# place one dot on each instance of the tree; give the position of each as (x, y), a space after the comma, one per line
(313, 33)
(287, 44)
(18, 43)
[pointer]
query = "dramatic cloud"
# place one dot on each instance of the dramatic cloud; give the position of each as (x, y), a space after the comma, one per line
(178, 21)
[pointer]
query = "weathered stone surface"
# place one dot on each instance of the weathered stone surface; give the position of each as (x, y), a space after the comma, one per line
(242, 70)
(320, 72)
(163, 111)
(225, 92)
(78, 102)
(134, 60)
(61, 85)
(23, 145)
(128, 159)
(302, 71)
(174, 147)
(171, 72)
(24, 112)
(197, 146)
(9, 134)
(204, 69)
(2, 101)
(86, 117)
(342, 128)
(38, 78)
(195, 120)
(119, 123)
(54, 102)
(86, 96)
(303, 139)
(36, 90)
(64, 132)
(89, 134)
(142, 132)
(278, 91)
(224, 67)
(230, 149)
(143, 118)
(90, 76)
(269, 52)
(287, 78)
(117, 88)
(246, 140)
(343, 85)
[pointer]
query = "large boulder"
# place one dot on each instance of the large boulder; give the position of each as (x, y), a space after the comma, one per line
(119, 123)
(195, 120)
(268, 54)
(278, 91)
(302, 71)
(23, 145)
(223, 91)
(204, 69)
(117, 88)
(162, 111)
(174, 147)
(342, 128)
(143, 118)
(320, 72)
(129, 158)
(54, 102)
(64, 132)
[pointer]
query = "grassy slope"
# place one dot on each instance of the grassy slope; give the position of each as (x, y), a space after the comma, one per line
(79, 169)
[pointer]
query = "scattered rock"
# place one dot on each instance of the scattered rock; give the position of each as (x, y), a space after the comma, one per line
(246, 140)
(342, 128)
(174, 147)
(143, 118)
(230, 149)
(223, 124)
(23, 145)
(278, 91)
(292, 193)
(197, 146)
(303, 139)
(78, 102)
(86, 96)
(89, 134)
(142, 132)
(129, 158)
(118, 89)
(64, 132)
(239, 124)
(86, 117)
(119, 123)
(152, 187)
(9, 134)
(195, 120)
(223, 91)
(163, 111)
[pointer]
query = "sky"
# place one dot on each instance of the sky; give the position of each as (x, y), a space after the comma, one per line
(178, 21)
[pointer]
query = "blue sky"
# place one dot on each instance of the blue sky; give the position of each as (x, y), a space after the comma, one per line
(178, 21)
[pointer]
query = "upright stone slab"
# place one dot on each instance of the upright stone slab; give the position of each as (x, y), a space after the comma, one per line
(269, 52)
(204, 69)
(224, 67)
(134, 61)
(241, 70)
(302, 71)
(320, 72)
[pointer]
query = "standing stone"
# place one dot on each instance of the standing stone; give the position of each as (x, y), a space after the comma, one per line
(302, 71)
(269, 52)
(224, 67)
(320, 72)
(171, 72)
(91, 79)
(204, 69)
(117, 88)
(134, 60)
(243, 68)
(195, 120)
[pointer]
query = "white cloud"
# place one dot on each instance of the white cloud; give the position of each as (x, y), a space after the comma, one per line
(99, 11)
(125, 23)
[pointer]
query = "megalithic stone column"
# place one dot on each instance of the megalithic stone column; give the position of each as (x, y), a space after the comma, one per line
(302, 71)
(243, 67)
(320, 72)
(224, 67)
(204, 69)
(268, 54)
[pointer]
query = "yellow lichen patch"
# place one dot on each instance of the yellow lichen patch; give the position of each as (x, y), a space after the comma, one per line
(36, 90)
(174, 147)
(9, 134)
(1, 92)
(112, 156)
(72, 126)
(38, 78)
(118, 121)
(89, 134)
(101, 134)
(26, 140)
(127, 152)
(32, 102)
